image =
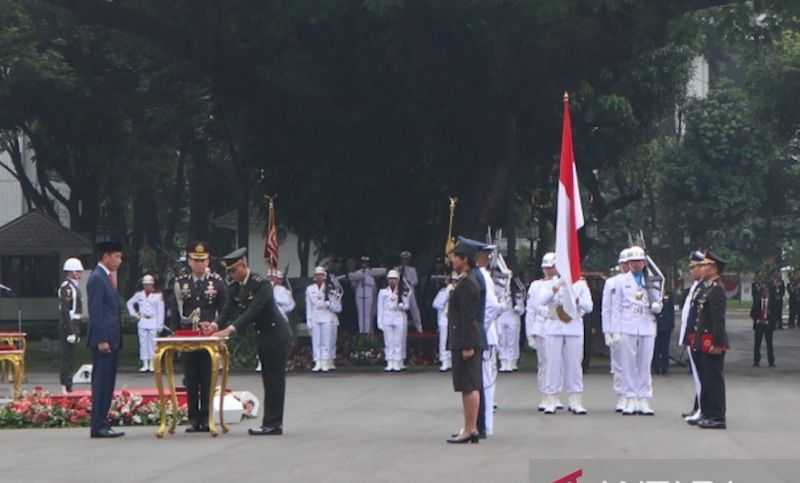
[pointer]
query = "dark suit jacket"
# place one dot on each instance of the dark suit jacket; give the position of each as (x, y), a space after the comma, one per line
(104, 311)
(463, 312)
(772, 312)
(665, 321)
(776, 294)
(253, 304)
(477, 276)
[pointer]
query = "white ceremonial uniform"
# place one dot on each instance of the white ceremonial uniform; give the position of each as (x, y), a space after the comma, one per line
(539, 294)
(564, 342)
(440, 305)
(637, 324)
(284, 300)
(687, 305)
(610, 329)
(493, 309)
(393, 321)
(365, 289)
(508, 325)
(149, 309)
(322, 320)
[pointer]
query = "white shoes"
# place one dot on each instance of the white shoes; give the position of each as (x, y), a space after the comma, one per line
(576, 404)
(514, 363)
(399, 365)
(389, 366)
(446, 366)
(317, 366)
(631, 407)
(550, 404)
(543, 404)
(258, 367)
(622, 401)
(644, 408)
(325, 366)
(557, 400)
(145, 367)
(505, 365)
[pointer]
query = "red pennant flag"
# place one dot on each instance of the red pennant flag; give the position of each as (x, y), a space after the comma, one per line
(271, 239)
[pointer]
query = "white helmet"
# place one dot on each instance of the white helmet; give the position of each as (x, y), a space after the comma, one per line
(636, 254)
(73, 265)
(320, 271)
(148, 280)
(624, 256)
(393, 274)
(549, 260)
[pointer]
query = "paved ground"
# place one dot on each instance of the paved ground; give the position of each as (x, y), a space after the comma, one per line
(375, 427)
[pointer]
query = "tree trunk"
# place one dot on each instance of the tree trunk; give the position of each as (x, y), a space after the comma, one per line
(199, 191)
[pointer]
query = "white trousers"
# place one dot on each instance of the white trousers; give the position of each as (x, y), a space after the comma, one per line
(147, 344)
(695, 379)
(616, 367)
(541, 363)
(392, 341)
(321, 343)
(564, 357)
(636, 355)
(489, 368)
(444, 354)
(508, 337)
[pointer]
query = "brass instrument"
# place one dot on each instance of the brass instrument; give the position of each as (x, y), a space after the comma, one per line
(450, 243)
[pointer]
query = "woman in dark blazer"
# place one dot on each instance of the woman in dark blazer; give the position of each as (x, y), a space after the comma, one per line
(464, 341)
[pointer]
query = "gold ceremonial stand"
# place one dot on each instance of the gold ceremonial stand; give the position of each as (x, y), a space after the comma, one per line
(166, 347)
(15, 357)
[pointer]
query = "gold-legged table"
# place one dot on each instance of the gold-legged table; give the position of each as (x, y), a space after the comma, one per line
(16, 359)
(18, 342)
(166, 347)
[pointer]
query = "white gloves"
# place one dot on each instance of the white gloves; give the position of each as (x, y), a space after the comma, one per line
(656, 307)
(72, 338)
(616, 337)
(532, 342)
(609, 339)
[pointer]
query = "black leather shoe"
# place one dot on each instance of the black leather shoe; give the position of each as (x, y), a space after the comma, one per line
(265, 431)
(458, 439)
(482, 434)
(198, 428)
(756, 364)
(107, 433)
(711, 424)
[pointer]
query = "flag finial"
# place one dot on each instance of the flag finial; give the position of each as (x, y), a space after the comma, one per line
(566, 96)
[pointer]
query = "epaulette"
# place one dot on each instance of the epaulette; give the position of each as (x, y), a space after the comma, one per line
(256, 277)
(182, 277)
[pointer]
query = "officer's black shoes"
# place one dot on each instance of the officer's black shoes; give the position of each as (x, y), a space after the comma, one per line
(107, 433)
(756, 364)
(265, 431)
(712, 424)
(473, 438)
(197, 428)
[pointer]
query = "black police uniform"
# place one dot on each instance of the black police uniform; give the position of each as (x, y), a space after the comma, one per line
(711, 306)
(251, 303)
(70, 305)
(207, 293)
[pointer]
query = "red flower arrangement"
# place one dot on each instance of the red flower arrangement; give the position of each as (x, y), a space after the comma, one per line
(37, 409)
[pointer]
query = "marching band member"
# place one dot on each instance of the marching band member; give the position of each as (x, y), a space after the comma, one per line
(322, 305)
(283, 298)
(513, 307)
(564, 346)
(440, 305)
(635, 308)
(491, 312)
(365, 289)
(535, 317)
(393, 321)
(147, 306)
(611, 329)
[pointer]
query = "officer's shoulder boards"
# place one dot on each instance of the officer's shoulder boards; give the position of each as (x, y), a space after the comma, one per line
(215, 276)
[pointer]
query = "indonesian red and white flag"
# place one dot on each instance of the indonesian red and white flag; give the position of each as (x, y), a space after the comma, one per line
(570, 217)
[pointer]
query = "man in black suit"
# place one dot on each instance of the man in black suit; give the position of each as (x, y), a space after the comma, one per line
(777, 289)
(764, 323)
(251, 303)
(105, 336)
